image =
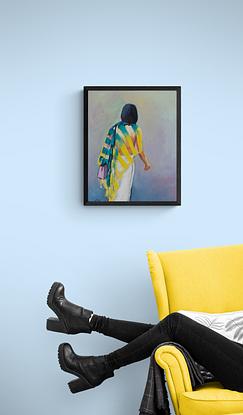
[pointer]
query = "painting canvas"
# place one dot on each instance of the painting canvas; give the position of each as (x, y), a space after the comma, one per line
(132, 145)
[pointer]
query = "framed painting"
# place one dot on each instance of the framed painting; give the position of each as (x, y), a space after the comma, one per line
(132, 145)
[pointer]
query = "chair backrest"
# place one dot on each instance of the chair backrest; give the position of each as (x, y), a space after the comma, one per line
(204, 279)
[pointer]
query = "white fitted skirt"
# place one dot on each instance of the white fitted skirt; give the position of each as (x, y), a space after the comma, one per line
(124, 192)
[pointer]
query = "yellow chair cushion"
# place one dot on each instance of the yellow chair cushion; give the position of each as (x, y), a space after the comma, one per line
(211, 399)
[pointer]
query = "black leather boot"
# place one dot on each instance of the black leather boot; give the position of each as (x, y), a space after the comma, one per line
(72, 319)
(91, 370)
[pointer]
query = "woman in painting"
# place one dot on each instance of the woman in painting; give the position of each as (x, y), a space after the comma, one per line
(116, 159)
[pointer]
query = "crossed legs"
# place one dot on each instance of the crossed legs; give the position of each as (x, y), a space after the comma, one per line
(222, 357)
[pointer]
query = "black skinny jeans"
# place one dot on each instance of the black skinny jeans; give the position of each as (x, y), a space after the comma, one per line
(219, 355)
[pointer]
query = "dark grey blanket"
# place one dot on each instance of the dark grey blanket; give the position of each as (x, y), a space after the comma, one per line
(155, 398)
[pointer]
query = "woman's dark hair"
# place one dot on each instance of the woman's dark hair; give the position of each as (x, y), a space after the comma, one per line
(129, 114)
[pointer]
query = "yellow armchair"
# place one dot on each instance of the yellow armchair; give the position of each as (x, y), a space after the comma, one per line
(209, 280)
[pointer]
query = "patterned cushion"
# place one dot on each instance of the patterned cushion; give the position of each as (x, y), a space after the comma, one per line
(228, 324)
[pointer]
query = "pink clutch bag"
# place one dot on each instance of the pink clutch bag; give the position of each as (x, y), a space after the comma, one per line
(102, 172)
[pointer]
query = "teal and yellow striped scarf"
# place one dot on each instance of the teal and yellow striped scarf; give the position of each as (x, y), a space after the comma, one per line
(119, 141)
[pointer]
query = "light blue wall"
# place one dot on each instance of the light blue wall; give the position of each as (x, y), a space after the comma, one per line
(49, 50)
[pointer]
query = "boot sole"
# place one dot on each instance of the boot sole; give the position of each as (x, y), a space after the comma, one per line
(55, 324)
(51, 294)
(77, 385)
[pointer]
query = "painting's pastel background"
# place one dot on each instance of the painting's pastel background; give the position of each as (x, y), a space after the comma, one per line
(157, 118)
(49, 50)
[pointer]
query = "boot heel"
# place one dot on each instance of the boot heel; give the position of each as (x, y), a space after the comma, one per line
(79, 385)
(54, 324)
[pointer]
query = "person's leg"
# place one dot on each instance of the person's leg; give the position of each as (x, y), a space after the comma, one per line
(93, 370)
(123, 330)
(219, 355)
(74, 319)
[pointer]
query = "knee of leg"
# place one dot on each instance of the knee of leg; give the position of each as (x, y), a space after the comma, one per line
(172, 317)
(171, 320)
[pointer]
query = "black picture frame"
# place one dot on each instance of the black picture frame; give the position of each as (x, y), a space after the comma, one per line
(86, 90)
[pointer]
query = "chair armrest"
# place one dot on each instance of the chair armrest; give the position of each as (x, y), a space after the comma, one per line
(177, 374)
